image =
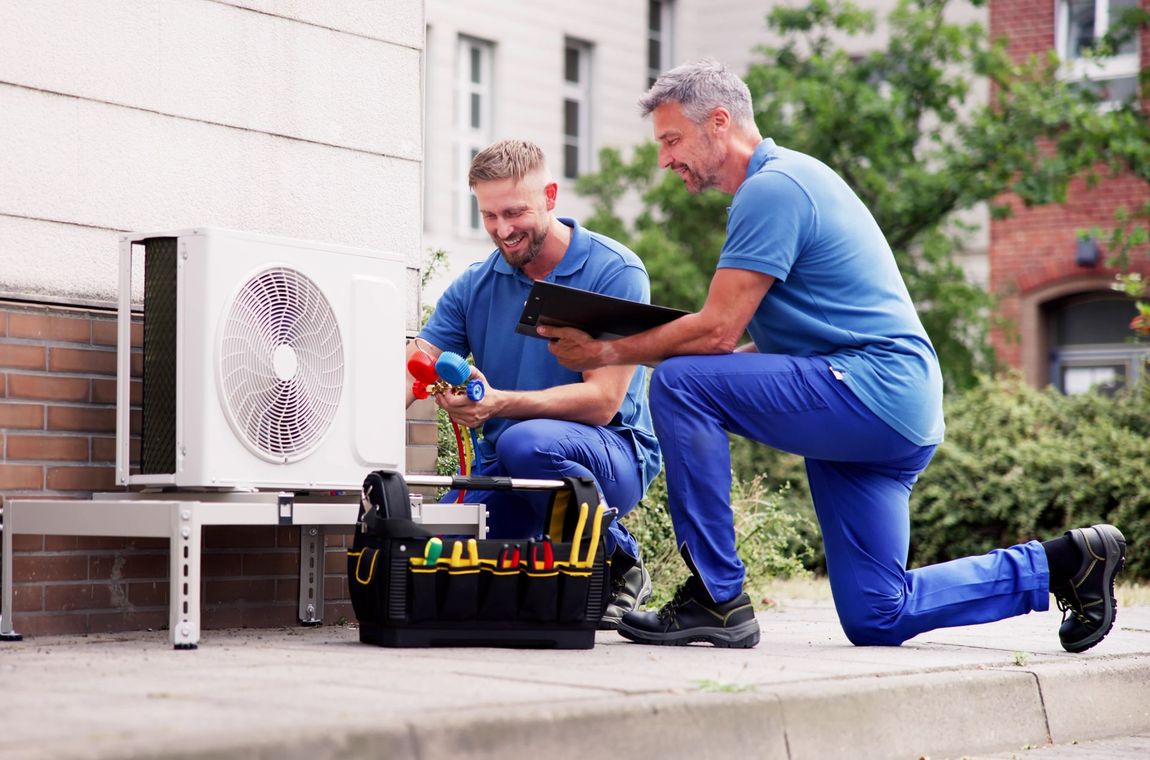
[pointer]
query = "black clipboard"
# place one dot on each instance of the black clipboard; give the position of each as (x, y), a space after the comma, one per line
(600, 316)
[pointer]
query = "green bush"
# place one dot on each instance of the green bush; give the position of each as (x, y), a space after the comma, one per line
(1019, 464)
(769, 538)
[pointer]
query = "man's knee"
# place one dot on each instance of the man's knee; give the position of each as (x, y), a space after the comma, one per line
(873, 622)
(666, 379)
(522, 445)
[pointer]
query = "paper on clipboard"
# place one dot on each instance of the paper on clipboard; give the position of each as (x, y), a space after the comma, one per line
(600, 316)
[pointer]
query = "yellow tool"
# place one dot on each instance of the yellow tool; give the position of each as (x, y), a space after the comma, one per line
(596, 529)
(472, 552)
(573, 557)
(457, 554)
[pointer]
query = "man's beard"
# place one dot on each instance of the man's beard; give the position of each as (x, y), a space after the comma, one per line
(698, 180)
(536, 239)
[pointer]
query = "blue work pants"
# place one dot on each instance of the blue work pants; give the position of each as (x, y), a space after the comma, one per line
(861, 472)
(550, 449)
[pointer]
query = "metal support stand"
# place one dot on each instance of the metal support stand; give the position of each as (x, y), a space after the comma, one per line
(311, 566)
(181, 516)
(6, 632)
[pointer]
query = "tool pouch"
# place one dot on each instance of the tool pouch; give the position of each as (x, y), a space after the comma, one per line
(410, 588)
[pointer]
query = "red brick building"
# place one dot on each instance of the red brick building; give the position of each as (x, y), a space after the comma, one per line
(1063, 323)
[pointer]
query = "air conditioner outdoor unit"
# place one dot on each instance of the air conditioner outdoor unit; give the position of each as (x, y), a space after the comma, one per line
(268, 363)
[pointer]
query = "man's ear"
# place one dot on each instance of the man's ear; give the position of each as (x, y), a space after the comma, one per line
(719, 120)
(551, 192)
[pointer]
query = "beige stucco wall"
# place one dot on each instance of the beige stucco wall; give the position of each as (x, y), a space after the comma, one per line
(293, 118)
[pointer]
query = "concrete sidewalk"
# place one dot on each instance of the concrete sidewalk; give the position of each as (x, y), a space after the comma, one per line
(804, 692)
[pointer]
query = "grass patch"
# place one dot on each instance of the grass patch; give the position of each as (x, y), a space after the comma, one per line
(1132, 594)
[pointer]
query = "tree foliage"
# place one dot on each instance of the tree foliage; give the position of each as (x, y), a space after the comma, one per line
(902, 126)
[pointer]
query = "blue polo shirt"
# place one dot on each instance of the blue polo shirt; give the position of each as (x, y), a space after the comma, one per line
(479, 311)
(838, 292)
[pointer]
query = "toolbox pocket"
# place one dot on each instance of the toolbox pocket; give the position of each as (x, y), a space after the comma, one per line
(574, 586)
(364, 587)
(540, 596)
(423, 599)
(499, 591)
(461, 594)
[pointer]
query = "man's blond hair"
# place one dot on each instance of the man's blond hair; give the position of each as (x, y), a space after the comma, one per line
(506, 159)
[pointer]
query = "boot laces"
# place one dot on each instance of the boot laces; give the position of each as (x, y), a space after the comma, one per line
(671, 608)
(1065, 605)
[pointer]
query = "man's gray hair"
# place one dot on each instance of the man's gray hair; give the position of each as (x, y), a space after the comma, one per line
(700, 87)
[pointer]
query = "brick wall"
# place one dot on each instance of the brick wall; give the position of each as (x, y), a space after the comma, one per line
(57, 439)
(1034, 250)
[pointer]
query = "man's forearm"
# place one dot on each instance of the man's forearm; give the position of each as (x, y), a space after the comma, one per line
(690, 334)
(577, 402)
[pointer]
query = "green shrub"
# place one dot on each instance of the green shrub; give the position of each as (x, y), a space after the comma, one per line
(1019, 464)
(769, 538)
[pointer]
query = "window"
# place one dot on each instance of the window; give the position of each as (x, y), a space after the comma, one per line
(1090, 340)
(1080, 24)
(472, 122)
(658, 39)
(576, 108)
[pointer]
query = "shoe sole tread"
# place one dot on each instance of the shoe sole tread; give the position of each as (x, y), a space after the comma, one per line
(743, 636)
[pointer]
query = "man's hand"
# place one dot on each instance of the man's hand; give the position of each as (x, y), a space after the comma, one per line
(575, 349)
(463, 411)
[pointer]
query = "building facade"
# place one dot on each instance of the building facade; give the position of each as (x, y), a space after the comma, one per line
(1064, 324)
(569, 81)
(300, 120)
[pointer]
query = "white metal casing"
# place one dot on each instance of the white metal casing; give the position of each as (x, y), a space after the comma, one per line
(366, 290)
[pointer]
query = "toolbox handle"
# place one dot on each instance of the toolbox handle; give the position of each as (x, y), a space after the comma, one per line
(483, 482)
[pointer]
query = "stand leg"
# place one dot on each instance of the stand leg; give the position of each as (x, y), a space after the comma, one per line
(184, 617)
(6, 632)
(311, 568)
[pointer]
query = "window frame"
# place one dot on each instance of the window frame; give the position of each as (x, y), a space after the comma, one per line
(469, 137)
(578, 93)
(663, 37)
(1117, 67)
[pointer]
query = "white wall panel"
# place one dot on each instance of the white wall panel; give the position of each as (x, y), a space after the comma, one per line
(223, 64)
(292, 118)
(93, 164)
(84, 261)
(398, 21)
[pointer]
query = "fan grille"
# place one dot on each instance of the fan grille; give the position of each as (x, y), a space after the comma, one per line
(281, 365)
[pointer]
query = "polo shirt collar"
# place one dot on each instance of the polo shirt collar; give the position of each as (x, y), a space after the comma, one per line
(578, 249)
(762, 152)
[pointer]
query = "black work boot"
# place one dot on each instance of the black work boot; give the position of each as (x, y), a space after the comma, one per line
(630, 589)
(692, 616)
(1087, 599)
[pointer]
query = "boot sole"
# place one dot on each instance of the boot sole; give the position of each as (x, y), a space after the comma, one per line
(1113, 566)
(743, 636)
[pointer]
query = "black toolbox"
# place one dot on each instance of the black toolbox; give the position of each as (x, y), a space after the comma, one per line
(410, 588)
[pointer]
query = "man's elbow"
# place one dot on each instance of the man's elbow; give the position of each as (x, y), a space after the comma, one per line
(602, 417)
(602, 411)
(721, 340)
